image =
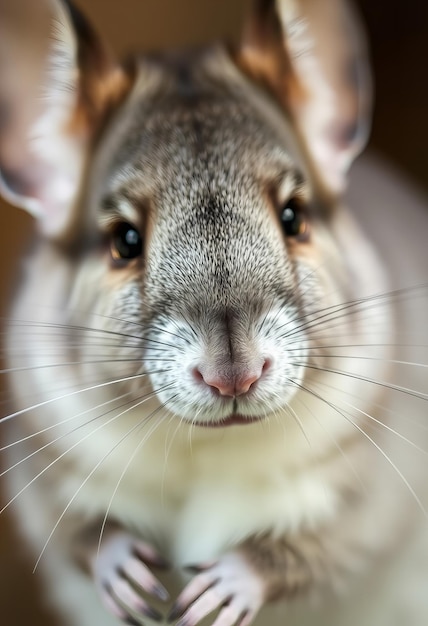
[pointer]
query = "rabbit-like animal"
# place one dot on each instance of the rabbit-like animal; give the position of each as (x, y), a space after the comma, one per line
(203, 351)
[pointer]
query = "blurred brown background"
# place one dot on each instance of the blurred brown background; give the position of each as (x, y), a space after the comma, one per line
(398, 34)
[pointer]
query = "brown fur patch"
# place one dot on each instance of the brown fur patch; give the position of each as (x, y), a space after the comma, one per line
(103, 83)
(263, 55)
(285, 567)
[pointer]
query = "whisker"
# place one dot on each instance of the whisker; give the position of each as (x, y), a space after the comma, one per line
(74, 393)
(71, 363)
(180, 336)
(336, 444)
(269, 309)
(140, 325)
(362, 358)
(189, 325)
(167, 450)
(386, 427)
(297, 294)
(348, 307)
(384, 408)
(299, 422)
(91, 473)
(334, 334)
(86, 329)
(60, 385)
(168, 444)
(125, 469)
(383, 425)
(66, 327)
(385, 385)
(340, 315)
(358, 345)
(56, 348)
(93, 419)
(93, 314)
(65, 421)
(370, 439)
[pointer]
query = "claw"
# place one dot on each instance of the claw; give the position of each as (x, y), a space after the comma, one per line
(199, 567)
(115, 609)
(132, 622)
(229, 586)
(175, 612)
(208, 602)
(198, 586)
(124, 594)
(136, 571)
(121, 575)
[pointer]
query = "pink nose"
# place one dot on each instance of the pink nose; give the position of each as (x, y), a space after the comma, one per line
(231, 386)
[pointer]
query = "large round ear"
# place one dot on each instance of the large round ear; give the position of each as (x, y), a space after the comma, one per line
(56, 83)
(312, 56)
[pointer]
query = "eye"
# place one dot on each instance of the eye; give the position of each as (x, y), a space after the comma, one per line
(294, 220)
(125, 243)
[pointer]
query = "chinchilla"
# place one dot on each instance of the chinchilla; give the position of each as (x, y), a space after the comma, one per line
(218, 412)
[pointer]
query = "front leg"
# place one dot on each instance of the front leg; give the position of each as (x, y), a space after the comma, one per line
(121, 571)
(241, 581)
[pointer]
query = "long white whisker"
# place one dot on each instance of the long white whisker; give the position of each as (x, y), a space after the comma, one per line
(64, 435)
(347, 308)
(63, 454)
(70, 363)
(334, 442)
(74, 393)
(386, 385)
(362, 358)
(94, 469)
(168, 447)
(65, 421)
(374, 404)
(386, 427)
(372, 441)
(125, 469)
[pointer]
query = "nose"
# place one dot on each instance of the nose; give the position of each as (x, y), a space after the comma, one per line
(233, 384)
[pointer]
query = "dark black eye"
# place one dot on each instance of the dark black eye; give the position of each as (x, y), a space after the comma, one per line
(294, 220)
(126, 242)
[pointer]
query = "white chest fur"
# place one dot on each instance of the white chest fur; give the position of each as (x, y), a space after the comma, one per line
(195, 494)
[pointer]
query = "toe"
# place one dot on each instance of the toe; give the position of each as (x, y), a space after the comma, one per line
(190, 593)
(139, 573)
(203, 606)
(123, 592)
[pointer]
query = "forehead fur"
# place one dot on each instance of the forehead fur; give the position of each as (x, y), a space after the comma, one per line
(194, 122)
(199, 148)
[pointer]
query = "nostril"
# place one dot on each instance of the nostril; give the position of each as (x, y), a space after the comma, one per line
(244, 384)
(221, 385)
(197, 374)
(266, 365)
(230, 384)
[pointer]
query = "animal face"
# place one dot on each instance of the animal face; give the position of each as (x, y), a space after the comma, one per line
(189, 207)
(204, 173)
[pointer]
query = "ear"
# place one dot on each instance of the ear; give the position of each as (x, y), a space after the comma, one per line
(311, 55)
(56, 84)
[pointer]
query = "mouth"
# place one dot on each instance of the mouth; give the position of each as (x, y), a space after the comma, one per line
(232, 420)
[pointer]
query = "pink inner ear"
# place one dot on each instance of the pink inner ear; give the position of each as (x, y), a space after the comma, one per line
(333, 137)
(44, 188)
(328, 54)
(40, 162)
(333, 160)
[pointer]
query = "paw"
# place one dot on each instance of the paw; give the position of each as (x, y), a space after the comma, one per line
(229, 586)
(121, 574)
